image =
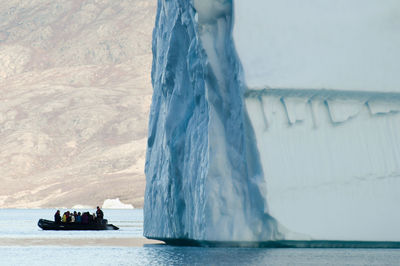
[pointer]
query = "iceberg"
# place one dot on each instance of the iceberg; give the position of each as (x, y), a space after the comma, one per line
(274, 120)
(116, 204)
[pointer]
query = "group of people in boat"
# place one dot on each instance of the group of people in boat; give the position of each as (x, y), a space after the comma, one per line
(77, 217)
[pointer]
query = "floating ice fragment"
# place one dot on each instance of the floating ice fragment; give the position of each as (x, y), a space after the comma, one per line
(116, 204)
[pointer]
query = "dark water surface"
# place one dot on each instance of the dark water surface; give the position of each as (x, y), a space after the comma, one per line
(167, 255)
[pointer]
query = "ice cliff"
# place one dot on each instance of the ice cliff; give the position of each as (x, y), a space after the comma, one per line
(280, 124)
(204, 177)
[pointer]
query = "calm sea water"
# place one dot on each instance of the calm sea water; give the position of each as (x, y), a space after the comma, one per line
(21, 226)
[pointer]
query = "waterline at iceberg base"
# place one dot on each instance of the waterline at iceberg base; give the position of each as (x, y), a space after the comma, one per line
(237, 159)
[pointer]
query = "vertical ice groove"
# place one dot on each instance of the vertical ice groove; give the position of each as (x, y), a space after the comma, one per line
(264, 115)
(312, 112)
(295, 108)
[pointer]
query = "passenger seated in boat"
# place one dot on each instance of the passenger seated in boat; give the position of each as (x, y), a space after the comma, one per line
(68, 217)
(64, 218)
(85, 218)
(78, 218)
(99, 214)
(57, 217)
(72, 218)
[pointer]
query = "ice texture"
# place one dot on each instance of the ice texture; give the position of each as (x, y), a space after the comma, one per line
(292, 136)
(204, 180)
(323, 96)
(334, 174)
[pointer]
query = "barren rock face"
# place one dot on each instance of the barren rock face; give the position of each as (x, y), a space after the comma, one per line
(75, 93)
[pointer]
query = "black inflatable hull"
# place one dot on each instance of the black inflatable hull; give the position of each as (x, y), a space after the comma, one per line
(50, 225)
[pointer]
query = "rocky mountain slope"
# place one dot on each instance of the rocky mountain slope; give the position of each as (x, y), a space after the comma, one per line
(75, 93)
